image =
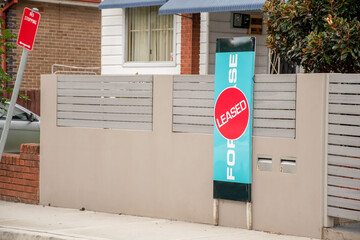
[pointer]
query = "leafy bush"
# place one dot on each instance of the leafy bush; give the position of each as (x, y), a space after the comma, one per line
(319, 35)
(4, 77)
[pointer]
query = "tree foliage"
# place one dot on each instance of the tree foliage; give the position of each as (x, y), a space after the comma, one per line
(319, 35)
(5, 79)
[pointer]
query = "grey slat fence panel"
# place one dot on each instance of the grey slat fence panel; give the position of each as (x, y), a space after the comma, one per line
(106, 101)
(344, 213)
(344, 182)
(89, 78)
(343, 192)
(344, 203)
(118, 102)
(344, 172)
(274, 105)
(344, 161)
(343, 140)
(193, 104)
(344, 146)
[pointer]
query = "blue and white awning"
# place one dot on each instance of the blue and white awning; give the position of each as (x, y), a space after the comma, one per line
(129, 3)
(197, 6)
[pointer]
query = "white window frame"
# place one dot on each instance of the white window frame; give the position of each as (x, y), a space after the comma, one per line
(145, 64)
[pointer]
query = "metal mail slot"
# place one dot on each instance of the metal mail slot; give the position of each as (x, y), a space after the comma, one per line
(288, 165)
(264, 164)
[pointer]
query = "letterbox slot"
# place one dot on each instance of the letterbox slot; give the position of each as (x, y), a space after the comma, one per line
(264, 163)
(288, 165)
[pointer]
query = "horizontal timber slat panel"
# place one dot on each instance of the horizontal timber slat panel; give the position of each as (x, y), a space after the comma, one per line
(344, 172)
(343, 140)
(193, 111)
(88, 78)
(343, 192)
(344, 161)
(105, 86)
(104, 109)
(274, 87)
(344, 88)
(209, 103)
(344, 182)
(344, 109)
(104, 124)
(120, 102)
(344, 130)
(276, 78)
(344, 78)
(194, 120)
(275, 96)
(343, 213)
(344, 203)
(344, 146)
(345, 99)
(344, 119)
(274, 123)
(194, 79)
(283, 105)
(273, 132)
(106, 101)
(106, 116)
(191, 86)
(107, 93)
(279, 114)
(187, 128)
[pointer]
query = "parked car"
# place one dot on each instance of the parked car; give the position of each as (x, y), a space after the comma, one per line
(24, 128)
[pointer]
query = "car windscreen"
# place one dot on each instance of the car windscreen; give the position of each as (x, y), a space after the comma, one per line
(17, 115)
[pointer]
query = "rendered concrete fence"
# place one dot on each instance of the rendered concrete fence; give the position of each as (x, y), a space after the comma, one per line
(163, 173)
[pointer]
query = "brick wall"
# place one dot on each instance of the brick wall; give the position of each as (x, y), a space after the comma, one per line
(67, 34)
(19, 175)
(190, 44)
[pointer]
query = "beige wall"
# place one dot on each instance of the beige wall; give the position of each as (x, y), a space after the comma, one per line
(169, 175)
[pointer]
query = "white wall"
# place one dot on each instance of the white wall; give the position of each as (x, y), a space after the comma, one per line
(113, 48)
(220, 26)
(213, 26)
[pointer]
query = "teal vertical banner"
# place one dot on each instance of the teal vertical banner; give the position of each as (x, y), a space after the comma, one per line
(233, 107)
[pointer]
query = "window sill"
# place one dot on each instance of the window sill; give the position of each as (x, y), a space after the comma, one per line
(149, 64)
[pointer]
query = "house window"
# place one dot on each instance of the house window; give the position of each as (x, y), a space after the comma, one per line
(150, 36)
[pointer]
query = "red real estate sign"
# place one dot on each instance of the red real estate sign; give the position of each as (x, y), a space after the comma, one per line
(28, 28)
(231, 113)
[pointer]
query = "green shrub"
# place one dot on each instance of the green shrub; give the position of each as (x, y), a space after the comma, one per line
(319, 35)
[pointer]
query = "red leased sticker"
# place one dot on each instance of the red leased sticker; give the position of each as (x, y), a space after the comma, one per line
(231, 113)
(28, 28)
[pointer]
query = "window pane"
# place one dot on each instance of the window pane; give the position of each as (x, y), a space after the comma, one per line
(138, 41)
(161, 37)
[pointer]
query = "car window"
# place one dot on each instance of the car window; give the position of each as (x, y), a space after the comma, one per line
(17, 115)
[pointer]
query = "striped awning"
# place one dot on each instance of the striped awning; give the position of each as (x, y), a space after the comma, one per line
(129, 3)
(197, 6)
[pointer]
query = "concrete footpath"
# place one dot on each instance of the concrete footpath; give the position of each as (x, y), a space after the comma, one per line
(25, 222)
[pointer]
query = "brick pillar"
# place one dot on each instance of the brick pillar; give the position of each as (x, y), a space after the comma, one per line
(19, 175)
(190, 44)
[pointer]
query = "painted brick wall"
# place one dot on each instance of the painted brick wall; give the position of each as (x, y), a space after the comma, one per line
(19, 175)
(67, 34)
(190, 44)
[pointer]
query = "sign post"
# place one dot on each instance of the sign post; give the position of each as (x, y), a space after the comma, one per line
(26, 39)
(234, 73)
